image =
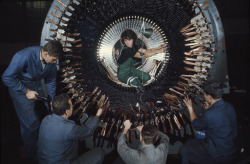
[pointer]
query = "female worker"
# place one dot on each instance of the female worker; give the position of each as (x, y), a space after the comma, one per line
(127, 73)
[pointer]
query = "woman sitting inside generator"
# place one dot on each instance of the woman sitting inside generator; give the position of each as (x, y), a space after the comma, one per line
(127, 72)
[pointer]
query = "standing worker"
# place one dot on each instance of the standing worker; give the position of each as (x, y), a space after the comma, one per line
(31, 69)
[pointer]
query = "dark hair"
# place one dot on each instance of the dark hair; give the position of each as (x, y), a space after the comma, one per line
(54, 48)
(213, 88)
(128, 34)
(149, 134)
(60, 104)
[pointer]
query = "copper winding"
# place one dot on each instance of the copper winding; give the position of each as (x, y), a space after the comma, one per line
(198, 38)
(189, 25)
(177, 121)
(180, 89)
(201, 11)
(170, 123)
(57, 8)
(168, 100)
(199, 5)
(183, 84)
(163, 123)
(94, 99)
(196, 32)
(182, 118)
(181, 94)
(110, 129)
(104, 129)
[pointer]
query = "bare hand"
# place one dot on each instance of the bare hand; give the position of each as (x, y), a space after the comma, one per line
(127, 124)
(188, 103)
(161, 46)
(162, 50)
(31, 95)
(51, 109)
(139, 128)
(99, 112)
(206, 105)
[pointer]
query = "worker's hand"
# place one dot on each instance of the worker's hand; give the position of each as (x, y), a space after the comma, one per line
(139, 128)
(188, 103)
(162, 50)
(206, 105)
(31, 95)
(99, 112)
(127, 124)
(141, 50)
(161, 46)
(51, 109)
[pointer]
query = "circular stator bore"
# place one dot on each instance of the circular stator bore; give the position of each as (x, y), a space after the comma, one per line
(109, 46)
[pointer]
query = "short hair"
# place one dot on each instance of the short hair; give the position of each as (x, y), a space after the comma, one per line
(213, 88)
(54, 48)
(128, 34)
(149, 134)
(60, 104)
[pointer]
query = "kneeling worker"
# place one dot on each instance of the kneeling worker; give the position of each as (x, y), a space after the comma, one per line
(148, 153)
(58, 136)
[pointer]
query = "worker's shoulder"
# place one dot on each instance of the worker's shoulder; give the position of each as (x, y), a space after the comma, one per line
(29, 50)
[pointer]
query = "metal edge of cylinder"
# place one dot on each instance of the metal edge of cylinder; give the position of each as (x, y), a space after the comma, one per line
(219, 71)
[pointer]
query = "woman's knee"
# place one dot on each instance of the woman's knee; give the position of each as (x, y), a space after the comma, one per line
(146, 77)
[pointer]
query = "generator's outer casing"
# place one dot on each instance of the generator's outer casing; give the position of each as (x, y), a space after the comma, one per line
(219, 70)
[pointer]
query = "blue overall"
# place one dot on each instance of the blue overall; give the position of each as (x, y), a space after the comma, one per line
(219, 145)
(25, 72)
(58, 141)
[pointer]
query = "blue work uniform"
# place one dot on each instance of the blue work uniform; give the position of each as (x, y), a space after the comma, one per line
(26, 72)
(58, 140)
(220, 143)
(148, 154)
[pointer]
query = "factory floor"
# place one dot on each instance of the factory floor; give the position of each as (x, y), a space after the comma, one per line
(12, 150)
